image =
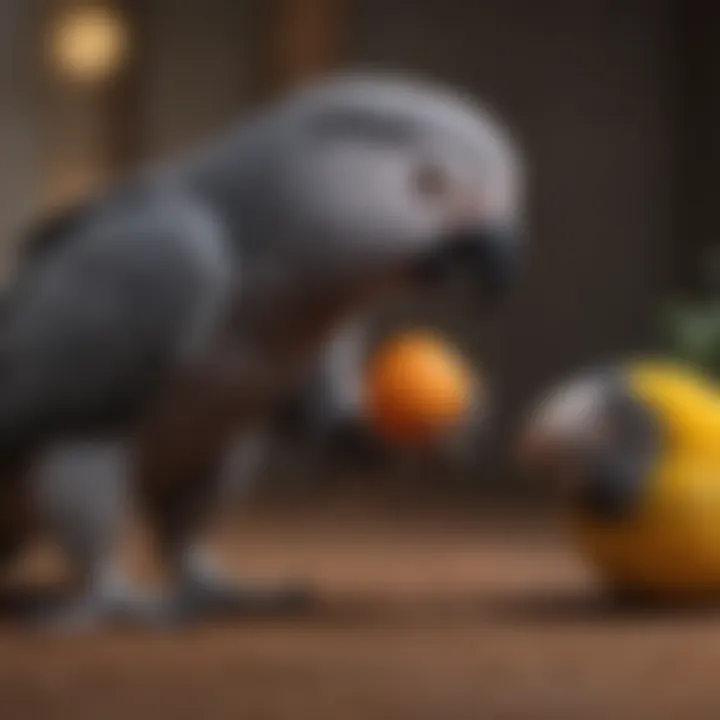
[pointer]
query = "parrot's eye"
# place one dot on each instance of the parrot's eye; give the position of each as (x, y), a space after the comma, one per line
(431, 181)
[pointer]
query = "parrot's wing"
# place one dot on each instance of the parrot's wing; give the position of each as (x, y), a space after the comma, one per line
(97, 321)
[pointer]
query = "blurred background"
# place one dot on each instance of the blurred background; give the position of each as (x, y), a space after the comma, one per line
(616, 105)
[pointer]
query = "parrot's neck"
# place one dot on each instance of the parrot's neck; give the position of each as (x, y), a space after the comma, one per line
(231, 175)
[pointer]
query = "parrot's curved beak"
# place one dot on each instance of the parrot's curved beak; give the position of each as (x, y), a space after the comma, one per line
(493, 253)
(485, 256)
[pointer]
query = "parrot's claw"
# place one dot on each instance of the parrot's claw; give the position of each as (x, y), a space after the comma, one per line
(94, 609)
(191, 603)
(73, 616)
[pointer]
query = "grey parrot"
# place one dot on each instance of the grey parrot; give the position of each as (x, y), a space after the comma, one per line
(149, 328)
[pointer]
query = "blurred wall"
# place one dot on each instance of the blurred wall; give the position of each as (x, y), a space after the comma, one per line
(697, 30)
(19, 174)
(199, 69)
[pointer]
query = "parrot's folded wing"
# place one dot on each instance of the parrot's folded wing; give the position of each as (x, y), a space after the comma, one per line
(95, 324)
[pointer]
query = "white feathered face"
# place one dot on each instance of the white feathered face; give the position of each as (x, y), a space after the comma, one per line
(594, 441)
(568, 426)
(392, 176)
(572, 413)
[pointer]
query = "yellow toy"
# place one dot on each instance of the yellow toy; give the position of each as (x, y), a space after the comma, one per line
(638, 446)
(417, 388)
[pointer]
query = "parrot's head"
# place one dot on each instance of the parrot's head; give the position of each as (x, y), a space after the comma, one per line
(593, 441)
(386, 179)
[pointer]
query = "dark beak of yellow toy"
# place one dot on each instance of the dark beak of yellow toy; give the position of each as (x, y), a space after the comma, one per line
(610, 490)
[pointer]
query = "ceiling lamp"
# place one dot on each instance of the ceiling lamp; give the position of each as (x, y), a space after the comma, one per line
(90, 44)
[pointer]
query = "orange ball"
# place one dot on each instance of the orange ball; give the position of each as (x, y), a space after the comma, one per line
(417, 388)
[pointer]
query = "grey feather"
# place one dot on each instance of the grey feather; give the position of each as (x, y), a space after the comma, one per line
(97, 319)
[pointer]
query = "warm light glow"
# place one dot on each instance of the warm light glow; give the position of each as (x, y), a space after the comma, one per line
(89, 44)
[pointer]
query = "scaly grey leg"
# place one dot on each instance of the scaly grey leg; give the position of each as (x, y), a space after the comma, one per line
(81, 490)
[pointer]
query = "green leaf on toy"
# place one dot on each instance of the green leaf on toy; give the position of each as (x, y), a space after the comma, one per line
(691, 332)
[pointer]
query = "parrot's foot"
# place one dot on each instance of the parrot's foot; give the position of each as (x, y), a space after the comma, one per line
(98, 607)
(189, 603)
(71, 616)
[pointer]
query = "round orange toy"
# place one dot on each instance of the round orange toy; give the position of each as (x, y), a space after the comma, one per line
(417, 388)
